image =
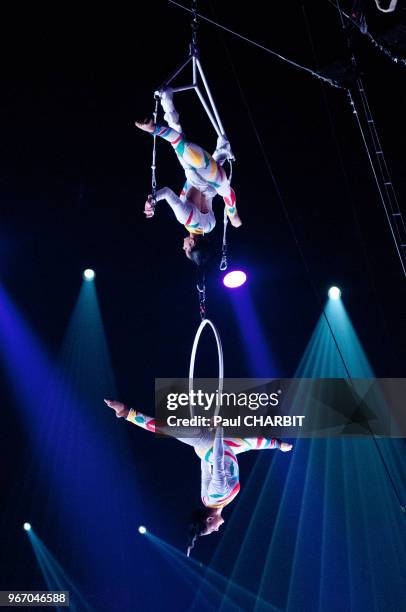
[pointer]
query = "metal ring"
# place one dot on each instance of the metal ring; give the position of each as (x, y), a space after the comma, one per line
(220, 361)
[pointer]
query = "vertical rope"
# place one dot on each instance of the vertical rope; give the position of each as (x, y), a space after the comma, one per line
(224, 262)
(194, 24)
(153, 164)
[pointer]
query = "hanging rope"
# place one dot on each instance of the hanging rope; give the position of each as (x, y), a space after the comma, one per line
(153, 164)
(224, 262)
(193, 48)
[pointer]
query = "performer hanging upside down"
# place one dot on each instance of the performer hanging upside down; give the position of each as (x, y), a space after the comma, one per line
(205, 177)
(220, 481)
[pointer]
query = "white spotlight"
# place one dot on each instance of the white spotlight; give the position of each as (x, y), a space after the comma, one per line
(27, 526)
(334, 293)
(142, 529)
(89, 274)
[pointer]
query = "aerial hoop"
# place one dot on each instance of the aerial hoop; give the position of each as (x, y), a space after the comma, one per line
(216, 334)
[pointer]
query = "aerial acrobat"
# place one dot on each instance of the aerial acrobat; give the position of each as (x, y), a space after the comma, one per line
(220, 482)
(205, 177)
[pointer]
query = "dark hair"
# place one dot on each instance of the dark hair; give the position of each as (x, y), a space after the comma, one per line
(197, 524)
(200, 254)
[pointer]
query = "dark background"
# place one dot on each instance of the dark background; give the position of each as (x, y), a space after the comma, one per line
(74, 174)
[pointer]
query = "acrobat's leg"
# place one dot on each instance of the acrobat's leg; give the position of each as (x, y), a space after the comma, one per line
(194, 158)
(241, 445)
(224, 189)
(171, 115)
(190, 155)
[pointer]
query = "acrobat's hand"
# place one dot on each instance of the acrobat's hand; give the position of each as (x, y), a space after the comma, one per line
(149, 208)
(285, 447)
(120, 409)
(147, 125)
(211, 424)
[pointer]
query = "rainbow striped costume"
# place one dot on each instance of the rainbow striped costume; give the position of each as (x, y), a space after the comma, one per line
(204, 174)
(218, 456)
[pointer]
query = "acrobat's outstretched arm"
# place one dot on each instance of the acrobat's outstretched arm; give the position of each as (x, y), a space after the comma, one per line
(131, 415)
(181, 208)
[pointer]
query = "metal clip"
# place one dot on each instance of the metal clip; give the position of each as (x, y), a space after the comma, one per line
(223, 263)
(202, 300)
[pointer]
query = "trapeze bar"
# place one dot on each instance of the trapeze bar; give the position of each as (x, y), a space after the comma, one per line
(183, 88)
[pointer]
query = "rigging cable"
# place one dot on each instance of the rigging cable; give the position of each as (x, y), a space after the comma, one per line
(302, 256)
(331, 82)
(340, 158)
(362, 28)
(376, 158)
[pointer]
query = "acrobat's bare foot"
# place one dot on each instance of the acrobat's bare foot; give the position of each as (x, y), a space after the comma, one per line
(235, 221)
(119, 408)
(147, 125)
(285, 447)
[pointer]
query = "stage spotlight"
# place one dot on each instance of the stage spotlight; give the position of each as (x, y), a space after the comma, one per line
(89, 274)
(334, 293)
(142, 529)
(234, 279)
(27, 526)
